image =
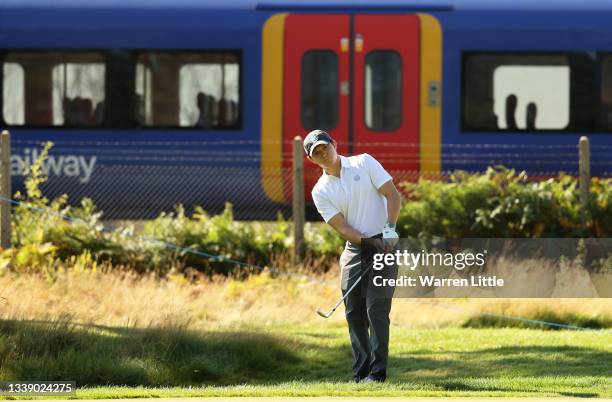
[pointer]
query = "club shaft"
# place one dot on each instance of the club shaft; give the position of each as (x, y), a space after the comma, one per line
(348, 292)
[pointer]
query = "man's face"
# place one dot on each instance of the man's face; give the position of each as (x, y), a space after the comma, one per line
(324, 155)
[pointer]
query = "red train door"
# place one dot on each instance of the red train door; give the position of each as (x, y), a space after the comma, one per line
(357, 78)
(316, 85)
(386, 90)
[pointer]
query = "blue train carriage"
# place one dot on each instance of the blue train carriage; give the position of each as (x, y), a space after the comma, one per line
(151, 104)
(435, 86)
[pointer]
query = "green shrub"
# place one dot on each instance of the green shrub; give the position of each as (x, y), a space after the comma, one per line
(322, 240)
(218, 235)
(45, 229)
(600, 207)
(502, 203)
(46, 233)
(499, 203)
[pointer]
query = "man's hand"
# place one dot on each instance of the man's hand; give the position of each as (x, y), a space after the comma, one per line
(390, 236)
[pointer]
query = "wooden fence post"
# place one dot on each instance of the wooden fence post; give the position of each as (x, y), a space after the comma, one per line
(585, 176)
(299, 211)
(5, 190)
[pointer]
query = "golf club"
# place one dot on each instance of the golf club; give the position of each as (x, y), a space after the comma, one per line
(322, 314)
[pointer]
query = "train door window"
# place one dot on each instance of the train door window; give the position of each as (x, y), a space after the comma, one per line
(513, 92)
(188, 90)
(319, 90)
(53, 89)
(13, 106)
(383, 90)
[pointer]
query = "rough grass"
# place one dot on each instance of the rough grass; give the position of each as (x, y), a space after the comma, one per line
(126, 299)
(126, 336)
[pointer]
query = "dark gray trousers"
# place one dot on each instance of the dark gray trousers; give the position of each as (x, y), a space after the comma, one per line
(367, 317)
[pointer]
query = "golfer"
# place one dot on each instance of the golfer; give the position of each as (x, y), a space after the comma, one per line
(357, 197)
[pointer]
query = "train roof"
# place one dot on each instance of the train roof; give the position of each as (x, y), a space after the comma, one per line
(20, 19)
(312, 5)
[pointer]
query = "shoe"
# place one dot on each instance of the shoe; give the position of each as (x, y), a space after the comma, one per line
(357, 378)
(372, 379)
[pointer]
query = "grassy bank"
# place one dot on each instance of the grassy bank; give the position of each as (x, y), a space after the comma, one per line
(119, 299)
(123, 335)
(300, 360)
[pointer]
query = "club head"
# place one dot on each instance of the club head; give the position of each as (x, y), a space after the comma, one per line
(322, 314)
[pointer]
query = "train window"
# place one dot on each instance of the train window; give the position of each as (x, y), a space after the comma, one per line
(78, 91)
(383, 90)
(319, 90)
(538, 97)
(188, 90)
(214, 87)
(143, 109)
(53, 89)
(514, 92)
(13, 109)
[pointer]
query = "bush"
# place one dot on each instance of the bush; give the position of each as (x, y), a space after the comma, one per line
(247, 242)
(499, 203)
(47, 233)
(44, 231)
(502, 203)
(221, 236)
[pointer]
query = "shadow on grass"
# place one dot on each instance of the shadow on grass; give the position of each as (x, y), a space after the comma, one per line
(101, 355)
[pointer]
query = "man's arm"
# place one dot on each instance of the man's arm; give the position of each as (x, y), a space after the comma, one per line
(382, 181)
(345, 230)
(394, 200)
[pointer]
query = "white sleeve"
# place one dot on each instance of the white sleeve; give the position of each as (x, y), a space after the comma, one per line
(378, 174)
(324, 206)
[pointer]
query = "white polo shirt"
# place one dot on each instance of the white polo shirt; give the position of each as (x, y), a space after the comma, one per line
(354, 194)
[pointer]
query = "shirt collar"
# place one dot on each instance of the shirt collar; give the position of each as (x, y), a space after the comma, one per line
(344, 161)
(344, 164)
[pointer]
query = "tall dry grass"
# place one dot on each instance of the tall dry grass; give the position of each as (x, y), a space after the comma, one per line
(125, 299)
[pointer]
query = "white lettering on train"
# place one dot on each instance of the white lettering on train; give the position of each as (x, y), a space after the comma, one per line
(60, 165)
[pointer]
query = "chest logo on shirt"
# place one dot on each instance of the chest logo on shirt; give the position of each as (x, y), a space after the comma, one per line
(356, 177)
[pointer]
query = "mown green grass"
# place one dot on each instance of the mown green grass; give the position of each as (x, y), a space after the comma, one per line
(290, 360)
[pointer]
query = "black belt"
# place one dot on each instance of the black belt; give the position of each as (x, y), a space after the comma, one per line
(378, 236)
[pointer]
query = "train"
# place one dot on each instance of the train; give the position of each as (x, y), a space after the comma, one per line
(155, 103)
